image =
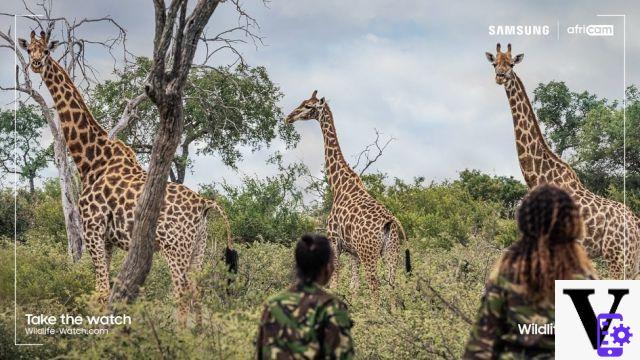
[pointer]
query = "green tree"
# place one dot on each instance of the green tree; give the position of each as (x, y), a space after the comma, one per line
(225, 109)
(603, 148)
(30, 155)
(504, 190)
(590, 130)
(266, 209)
(563, 113)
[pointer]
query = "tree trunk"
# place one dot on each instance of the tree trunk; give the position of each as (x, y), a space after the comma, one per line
(181, 163)
(32, 185)
(175, 43)
(69, 194)
(139, 258)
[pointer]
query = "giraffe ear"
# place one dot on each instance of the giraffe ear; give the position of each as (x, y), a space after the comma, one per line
(53, 45)
(518, 58)
(322, 101)
(23, 43)
(490, 57)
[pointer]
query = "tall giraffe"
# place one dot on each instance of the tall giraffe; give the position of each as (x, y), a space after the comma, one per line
(357, 223)
(605, 219)
(112, 180)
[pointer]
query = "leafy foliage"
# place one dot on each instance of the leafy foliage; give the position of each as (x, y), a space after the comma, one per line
(225, 109)
(590, 130)
(269, 209)
(506, 191)
(20, 220)
(436, 215)
(30, 155)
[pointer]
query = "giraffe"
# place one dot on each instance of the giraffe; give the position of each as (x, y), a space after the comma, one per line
(112, 180)
(604, 218)
(357, 224)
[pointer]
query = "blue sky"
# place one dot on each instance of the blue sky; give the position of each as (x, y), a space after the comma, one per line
(414, 70)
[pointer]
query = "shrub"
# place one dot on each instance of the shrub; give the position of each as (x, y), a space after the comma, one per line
(437, 215)
(48, 217)
(21, 220)
(268, 209)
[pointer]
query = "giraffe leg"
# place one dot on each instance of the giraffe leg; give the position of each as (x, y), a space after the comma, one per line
(370, 273)
(390, 254)
(355, 272)
(197, 258)
(182, 286)
(334, 238)
(335, 247)
(108, 254)
(94, 236)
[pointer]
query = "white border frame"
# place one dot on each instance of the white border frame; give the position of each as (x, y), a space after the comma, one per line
(624, 134)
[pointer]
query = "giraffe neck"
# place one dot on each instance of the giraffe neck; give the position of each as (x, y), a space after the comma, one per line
(539, 164)
(85, 138)
(337, 169)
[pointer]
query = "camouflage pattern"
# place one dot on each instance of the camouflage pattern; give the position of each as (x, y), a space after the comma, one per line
(305, 323)
(496, 335)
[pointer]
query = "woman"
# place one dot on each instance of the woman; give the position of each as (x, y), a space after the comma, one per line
(520, 290)
(305, 322)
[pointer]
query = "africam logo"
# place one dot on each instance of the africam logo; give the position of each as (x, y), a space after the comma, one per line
(607, 339)
(591, 30)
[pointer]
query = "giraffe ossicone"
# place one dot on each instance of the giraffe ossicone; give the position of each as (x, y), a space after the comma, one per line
(612, 230)
(357, 224)
(112, 180)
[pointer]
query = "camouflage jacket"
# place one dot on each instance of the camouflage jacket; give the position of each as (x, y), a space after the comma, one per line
(505, 309)
(305, 323)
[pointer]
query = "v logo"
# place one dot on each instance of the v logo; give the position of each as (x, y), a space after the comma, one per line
(580, 299)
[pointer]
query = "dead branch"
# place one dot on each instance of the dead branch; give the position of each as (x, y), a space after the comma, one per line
(129, 113)
(366, 156)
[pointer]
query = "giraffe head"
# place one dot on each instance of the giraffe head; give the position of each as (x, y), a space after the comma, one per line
(39, 49)
(308, 109)
(503, 63)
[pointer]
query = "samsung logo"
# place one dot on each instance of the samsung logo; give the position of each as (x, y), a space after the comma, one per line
(519, 30)
(591, 30)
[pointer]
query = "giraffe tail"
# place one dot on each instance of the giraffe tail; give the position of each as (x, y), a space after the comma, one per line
(407, 252)
(230, 255)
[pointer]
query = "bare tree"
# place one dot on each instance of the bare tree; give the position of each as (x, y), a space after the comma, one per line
(83, 74)
(177, 34)
(371, 153)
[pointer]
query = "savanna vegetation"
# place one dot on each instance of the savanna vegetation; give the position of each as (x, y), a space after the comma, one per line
(455, 233)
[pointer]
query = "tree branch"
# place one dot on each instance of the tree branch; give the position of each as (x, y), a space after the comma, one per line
(365, 155)
(129, 113)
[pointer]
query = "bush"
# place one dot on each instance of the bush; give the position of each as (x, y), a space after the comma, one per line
(437, 215)
(269, 209)
(503, 190)
(48, 217)
(24, 212)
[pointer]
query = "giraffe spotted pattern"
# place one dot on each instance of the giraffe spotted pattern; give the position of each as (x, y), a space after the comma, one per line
(357, 224)
(612, 230)
(112, 180)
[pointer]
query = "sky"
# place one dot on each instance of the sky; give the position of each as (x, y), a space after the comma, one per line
(413, 70)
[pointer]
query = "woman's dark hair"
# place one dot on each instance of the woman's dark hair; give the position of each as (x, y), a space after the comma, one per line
(548, 249)
(313, 253)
